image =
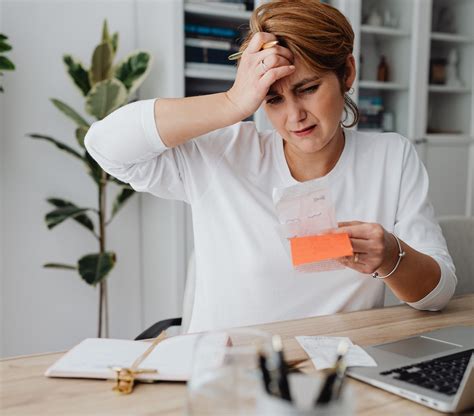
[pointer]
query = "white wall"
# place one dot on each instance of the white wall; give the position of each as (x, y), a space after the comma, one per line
(2, 175)
(45, 310)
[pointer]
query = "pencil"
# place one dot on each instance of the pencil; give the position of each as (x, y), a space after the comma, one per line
(267, 45)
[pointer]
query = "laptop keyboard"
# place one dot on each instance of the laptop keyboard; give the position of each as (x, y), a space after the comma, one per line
(442, 374)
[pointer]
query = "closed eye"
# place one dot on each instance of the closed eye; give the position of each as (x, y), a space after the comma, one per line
(274, 100)
(310, 90)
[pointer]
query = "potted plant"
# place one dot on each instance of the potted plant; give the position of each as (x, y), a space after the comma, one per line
(105, 88)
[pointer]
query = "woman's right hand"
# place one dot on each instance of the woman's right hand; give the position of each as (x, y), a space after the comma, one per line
(253, 79)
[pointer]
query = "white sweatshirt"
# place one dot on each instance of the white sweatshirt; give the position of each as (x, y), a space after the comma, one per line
(243, 274)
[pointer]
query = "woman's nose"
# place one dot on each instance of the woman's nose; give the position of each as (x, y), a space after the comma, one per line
(296, 112)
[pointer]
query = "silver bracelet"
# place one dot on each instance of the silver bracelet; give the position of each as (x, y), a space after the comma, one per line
(401, 254)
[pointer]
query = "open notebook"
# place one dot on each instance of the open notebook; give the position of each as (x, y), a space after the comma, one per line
(93, 357)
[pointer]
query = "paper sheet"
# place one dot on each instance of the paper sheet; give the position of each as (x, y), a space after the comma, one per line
(315, 248)
(323, 351)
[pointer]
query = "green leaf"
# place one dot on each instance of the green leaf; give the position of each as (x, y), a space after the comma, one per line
(120, 200)
(69, 112)
(6, 64)
(80, 135)
(3, 37)
(101, 67)
(82, 219)
(59, 266)
(93, 268)
(95, 171)
(4, 46)
(105, 32)
(58, 144)
(78, 74)
(114, 41)
(133, 70)
(59, 215)
(105, 97)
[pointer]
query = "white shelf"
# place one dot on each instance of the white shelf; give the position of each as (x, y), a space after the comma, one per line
(210, 71)
(451, 37)
(383, 30)
(448, 89)
(377, 85)
(447, 138)
(213, 10)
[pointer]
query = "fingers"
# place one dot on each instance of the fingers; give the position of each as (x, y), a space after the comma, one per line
(348, 223)
(275, 51)
(273, 61)
(257, 42)
(274, 74)
(363, 230)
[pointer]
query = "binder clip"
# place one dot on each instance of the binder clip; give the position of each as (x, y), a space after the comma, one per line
(125, 378)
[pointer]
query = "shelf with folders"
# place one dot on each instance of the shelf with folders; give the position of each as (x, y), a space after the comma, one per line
(198, 70)
(236, 11)
(213, 31)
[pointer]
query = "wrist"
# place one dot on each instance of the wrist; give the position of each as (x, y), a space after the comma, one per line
(391, 256)
(235, 110)
(401, 253)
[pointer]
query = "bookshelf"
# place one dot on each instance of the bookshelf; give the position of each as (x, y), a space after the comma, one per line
(436, 116)
(211, 33)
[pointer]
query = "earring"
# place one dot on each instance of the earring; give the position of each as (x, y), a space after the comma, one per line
(351, 91)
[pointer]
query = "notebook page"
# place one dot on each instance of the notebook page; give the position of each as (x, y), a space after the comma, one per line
(173, 357)
(92, 358)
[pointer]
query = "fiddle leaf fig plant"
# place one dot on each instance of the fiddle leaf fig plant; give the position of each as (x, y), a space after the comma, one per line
(5, 63)
(105, 87)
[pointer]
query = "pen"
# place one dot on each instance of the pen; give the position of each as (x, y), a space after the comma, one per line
(282, 370)
(267, 45)
(265, 374)
(333, 383)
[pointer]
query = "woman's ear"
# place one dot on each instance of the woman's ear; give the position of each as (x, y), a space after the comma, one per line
(350, 72)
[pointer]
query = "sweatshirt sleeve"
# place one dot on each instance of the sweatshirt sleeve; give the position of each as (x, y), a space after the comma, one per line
(127, 145)
(417, 226)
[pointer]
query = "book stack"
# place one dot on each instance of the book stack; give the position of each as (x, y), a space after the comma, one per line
(228, 4)
(210, 44)
(371, 112)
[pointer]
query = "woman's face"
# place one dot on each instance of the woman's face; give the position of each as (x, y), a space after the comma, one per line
(306, 109)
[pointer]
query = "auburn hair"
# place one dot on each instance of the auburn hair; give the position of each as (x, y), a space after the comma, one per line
(316, 33)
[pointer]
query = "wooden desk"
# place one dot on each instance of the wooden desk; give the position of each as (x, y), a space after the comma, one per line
(25, 391)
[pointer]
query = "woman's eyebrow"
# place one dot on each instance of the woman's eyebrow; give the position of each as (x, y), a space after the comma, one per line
(296, 86)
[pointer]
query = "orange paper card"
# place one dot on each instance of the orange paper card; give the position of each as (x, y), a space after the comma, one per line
(319, 247)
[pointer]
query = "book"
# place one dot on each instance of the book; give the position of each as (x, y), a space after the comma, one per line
(207, 43)
(231, 5)
(95, 357)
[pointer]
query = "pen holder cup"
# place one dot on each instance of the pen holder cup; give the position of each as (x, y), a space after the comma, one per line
(226, 379)
(304, 390)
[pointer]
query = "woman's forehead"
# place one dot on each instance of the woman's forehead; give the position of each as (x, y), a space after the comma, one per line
(298, 78)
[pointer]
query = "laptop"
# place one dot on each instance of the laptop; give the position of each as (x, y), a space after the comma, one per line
(435, 368)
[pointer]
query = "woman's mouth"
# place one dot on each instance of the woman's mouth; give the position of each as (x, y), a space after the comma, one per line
(304, 132)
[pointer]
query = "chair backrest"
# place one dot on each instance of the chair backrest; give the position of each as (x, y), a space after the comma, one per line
(459, 234)
(188, 299)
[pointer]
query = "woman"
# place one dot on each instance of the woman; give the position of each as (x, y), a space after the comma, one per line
(198, 150)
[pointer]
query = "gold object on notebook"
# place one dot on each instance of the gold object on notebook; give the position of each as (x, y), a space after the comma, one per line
(125, 377)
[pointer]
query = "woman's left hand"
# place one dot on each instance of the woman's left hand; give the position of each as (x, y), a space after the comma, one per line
(375, 249)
